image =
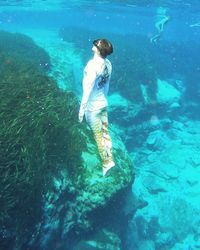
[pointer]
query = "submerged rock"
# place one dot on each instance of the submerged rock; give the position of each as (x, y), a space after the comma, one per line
(168, 180)
(167, 93)
(103, 240)
(81, 207)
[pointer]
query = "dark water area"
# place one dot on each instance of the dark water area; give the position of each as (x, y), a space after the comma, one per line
(52, 193)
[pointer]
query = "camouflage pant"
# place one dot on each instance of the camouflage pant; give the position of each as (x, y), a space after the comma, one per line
(98, 121)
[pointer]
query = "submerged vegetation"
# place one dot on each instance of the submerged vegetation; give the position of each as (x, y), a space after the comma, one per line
(21, 48)
(39, 132)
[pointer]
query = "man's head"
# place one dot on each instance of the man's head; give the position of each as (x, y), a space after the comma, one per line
(104, 46)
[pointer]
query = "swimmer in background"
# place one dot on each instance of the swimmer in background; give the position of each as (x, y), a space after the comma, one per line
(162, 19)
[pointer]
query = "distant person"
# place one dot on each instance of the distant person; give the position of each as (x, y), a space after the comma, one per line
(97, 74)
(162, 19)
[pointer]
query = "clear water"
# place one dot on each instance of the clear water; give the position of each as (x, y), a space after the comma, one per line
(163, 139)
(120, 17)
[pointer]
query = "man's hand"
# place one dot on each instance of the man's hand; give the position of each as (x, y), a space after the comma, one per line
(80, 116)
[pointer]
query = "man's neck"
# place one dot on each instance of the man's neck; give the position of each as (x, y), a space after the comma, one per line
(97, 56)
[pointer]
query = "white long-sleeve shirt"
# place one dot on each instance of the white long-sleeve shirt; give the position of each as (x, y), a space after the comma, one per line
(96, 80)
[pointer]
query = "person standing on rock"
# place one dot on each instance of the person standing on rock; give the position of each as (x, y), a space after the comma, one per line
(97, 74)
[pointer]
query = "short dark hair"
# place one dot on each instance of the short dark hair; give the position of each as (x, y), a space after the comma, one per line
(104, 46)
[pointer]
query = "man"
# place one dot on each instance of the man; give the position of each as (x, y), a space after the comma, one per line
(97, 74)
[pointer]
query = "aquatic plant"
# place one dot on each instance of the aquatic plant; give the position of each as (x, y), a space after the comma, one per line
(39, 136)
(49, 179)
(21, 47)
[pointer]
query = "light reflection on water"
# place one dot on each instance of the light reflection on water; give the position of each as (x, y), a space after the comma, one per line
(66, 4)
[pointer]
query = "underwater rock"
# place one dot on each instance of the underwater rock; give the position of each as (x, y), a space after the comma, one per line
(91, 197)
(145, 94)
(157, 140)
(192, 177)
(188, 243)
(169, 178)
(174, 105)
(178, 125)
(102, 240)
(167, 93)
(165, 240)
(66, 64)
(154, 185)
(146, 244)
(121, 107)
(195, 159)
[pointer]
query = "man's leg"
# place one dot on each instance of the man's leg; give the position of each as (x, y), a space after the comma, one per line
(106, 137)
(98, 122)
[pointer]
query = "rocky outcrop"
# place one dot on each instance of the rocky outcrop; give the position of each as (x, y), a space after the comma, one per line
(165, 155)
(167, 94)
(103, 240)
(168, 181)
(87, 204)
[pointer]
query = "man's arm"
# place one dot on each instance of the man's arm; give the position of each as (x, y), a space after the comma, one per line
(88, 84)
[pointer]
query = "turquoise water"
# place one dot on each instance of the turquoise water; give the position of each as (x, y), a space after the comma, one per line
(49, 200)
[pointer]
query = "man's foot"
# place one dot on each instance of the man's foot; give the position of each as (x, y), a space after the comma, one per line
(107, 167)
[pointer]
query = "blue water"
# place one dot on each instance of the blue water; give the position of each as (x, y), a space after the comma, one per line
(117, 17)
(154, 108)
